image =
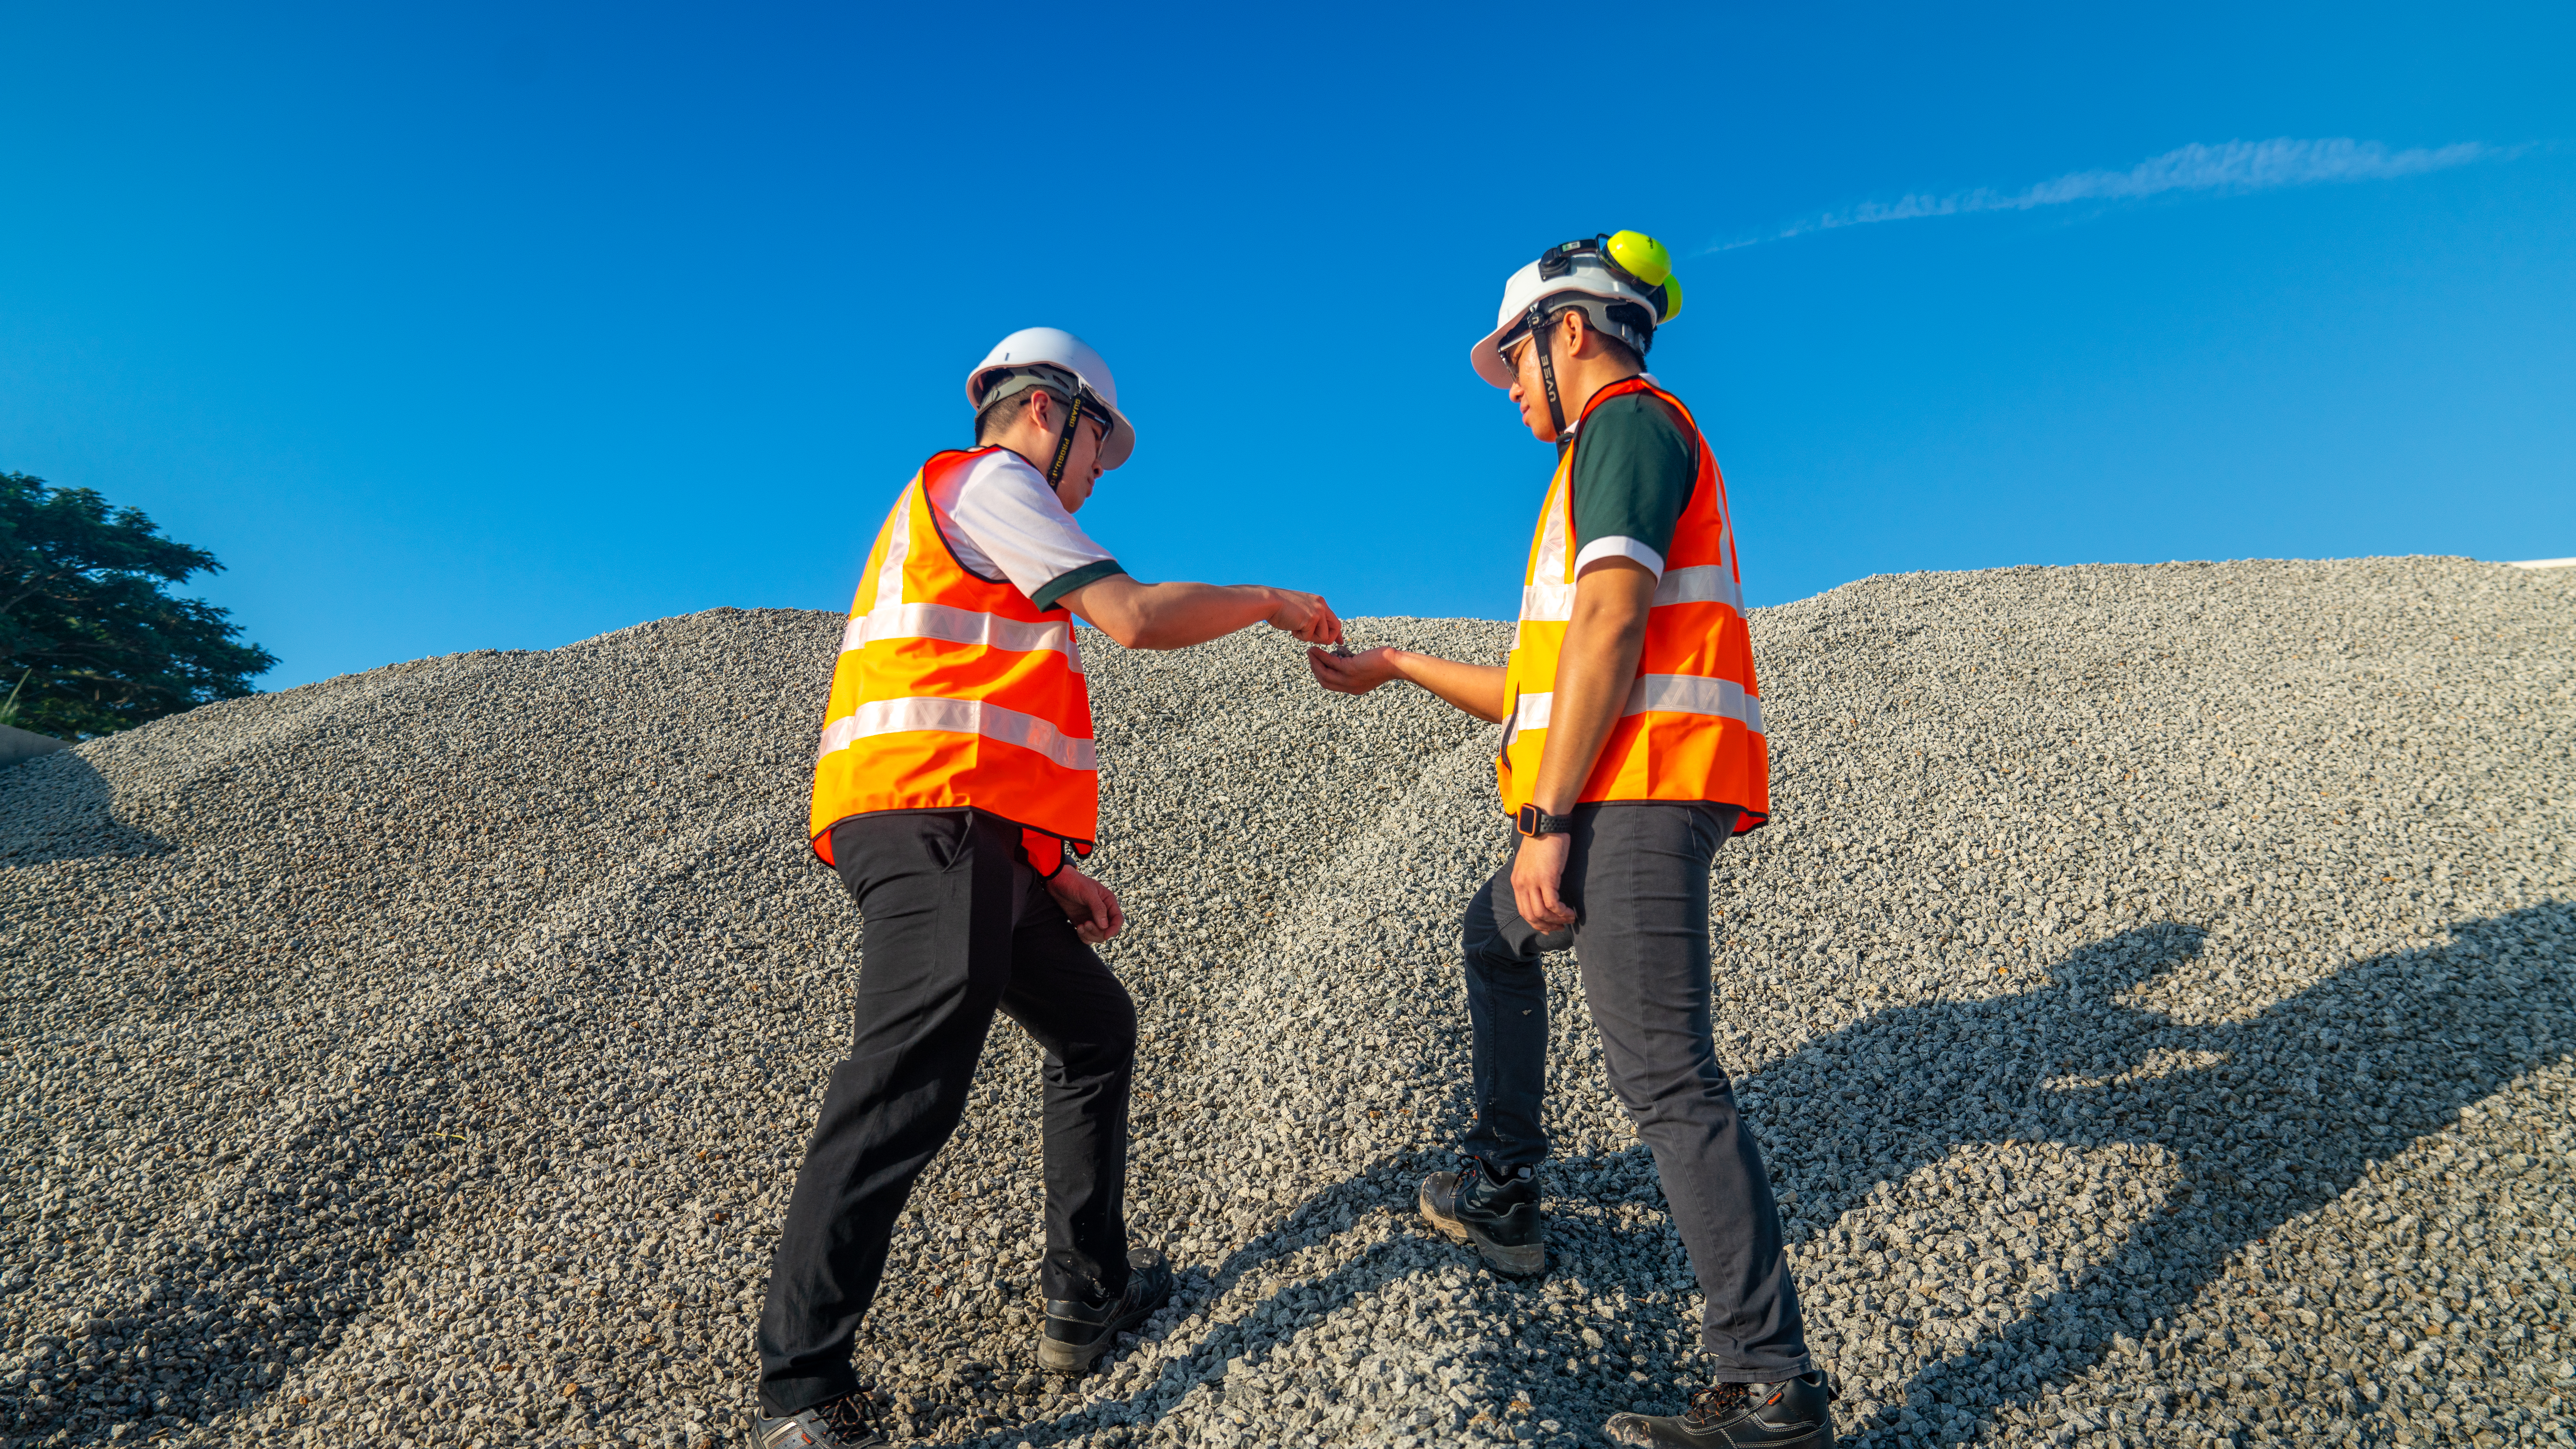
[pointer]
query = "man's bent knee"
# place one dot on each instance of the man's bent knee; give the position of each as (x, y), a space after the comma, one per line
(1107, 1055)
(1489, 955)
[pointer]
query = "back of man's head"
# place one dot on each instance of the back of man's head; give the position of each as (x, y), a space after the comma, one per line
(1008, 395)
(1607, 321)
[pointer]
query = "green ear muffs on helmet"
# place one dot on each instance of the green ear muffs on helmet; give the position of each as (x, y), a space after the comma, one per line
(1631, 256)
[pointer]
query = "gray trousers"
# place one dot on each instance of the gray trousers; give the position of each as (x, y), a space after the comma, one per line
(1637, 879)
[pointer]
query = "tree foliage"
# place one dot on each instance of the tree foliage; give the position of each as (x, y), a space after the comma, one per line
(88, 624)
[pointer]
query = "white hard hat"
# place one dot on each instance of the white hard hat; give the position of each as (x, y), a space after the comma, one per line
(1588, 270)
(1055, 347)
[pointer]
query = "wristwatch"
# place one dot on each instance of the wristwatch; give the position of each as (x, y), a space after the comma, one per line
(1534, 821)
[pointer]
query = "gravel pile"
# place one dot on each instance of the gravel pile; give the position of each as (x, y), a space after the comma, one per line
(2156, 995)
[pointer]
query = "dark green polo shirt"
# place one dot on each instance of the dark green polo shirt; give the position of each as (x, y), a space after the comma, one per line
(1634, 464)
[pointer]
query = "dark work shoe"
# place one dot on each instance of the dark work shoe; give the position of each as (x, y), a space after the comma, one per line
(1498, 1214)
(1792, 1415)
(1079, 1330)
(841, 1423)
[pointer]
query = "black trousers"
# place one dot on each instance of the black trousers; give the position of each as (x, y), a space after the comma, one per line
(955, 926)
(1637, 878)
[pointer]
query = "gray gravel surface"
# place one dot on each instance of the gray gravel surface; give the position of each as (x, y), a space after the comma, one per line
(2154, 995)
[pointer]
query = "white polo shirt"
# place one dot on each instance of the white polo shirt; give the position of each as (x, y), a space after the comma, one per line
(1004, 522)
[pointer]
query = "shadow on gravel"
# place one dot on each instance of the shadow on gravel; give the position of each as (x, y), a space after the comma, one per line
(1281, 1314)
(2261, 1117)
(154, 1349)
(56, 807)
(161, 1353)
(2272, 1126)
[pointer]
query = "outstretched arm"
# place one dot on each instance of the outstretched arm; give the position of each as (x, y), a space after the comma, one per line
(1178, 615)
(1476, 689)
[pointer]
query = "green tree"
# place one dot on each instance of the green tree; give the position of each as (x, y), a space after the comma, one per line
(91, 639)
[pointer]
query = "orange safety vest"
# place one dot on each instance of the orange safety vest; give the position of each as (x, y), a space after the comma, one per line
(1692, 725)
(955, 690)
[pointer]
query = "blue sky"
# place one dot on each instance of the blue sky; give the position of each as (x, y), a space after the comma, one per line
(450, 328)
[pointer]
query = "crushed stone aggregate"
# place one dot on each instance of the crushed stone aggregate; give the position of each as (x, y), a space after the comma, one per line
(2155, 995)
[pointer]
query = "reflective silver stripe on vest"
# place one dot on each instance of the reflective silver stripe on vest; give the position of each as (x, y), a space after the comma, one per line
(1665, 693)
(1698, 584)
(1547, 603)
(1695, 694)
(960, 717)
(962, 626)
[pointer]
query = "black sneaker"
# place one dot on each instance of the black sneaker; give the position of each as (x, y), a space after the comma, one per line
(1791, 1415)
(1079, 1330)
(1495, 1210)
(840, 1423)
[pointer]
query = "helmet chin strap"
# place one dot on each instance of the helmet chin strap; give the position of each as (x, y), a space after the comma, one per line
(1538, 330)
(1073, 420)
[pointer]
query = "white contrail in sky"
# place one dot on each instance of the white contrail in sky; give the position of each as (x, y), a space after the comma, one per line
(2230, 169)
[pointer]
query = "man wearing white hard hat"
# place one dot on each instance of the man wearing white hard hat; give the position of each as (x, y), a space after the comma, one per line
(1632, 748)
(955, 788)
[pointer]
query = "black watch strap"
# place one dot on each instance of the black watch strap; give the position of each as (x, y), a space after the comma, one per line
(1534, 821)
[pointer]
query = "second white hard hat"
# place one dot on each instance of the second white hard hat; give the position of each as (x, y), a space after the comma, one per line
(1592, 270)
(1055, 347)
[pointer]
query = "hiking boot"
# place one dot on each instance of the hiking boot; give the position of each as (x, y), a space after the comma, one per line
(1791, 1415)
(1495, 1209)
(1079, 1330)
(840, 1423)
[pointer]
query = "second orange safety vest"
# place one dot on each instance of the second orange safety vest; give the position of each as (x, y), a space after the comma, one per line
(952, 690)
(1691, 728)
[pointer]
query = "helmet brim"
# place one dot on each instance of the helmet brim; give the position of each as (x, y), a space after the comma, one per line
(1121, 442)
(1487, 356)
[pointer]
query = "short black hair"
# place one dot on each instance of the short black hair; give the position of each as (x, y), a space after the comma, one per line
(1620, 352)
(1006, 411)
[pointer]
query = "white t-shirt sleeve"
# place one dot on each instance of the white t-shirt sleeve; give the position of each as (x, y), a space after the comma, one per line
(1004, 521)
(1618, 547)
